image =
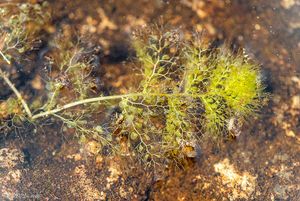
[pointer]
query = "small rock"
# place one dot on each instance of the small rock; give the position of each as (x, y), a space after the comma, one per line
(93, 147)
(36, 83)
(11, 161)
(287, 4)
(85, 184)
(115, 172)
(239, 186)
(296, 79)
(10, 158)
(296, 102)
(189, 152)
(99, 159)
(290, 133)
(210, 28)
(77, 157)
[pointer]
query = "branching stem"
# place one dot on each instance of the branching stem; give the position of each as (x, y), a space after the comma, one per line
(76, 103)
(105, 98)
(17, 93)
(13, 88)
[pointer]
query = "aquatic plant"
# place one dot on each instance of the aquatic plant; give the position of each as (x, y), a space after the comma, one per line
(187, 91)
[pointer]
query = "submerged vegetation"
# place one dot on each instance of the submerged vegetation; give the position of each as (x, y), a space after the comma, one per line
(187, 91)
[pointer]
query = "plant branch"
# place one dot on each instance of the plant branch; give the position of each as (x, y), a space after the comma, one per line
(7, 4)
(105, 98)
(17, 93)
(13, 88)
(5, 58)
(81, 102)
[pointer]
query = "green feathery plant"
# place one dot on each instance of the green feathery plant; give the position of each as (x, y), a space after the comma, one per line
(186, 91)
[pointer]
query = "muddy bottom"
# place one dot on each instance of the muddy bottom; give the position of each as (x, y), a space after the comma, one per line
(263, 163)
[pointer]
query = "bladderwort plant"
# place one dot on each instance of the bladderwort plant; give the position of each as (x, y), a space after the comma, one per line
(187, 91)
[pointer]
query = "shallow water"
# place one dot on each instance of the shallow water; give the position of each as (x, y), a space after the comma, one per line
(261, 164)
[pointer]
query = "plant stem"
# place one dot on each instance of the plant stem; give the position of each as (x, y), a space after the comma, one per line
(105, 98)
(5, 58)
(17, 93)
(81, 102)
(7, 4)
(13, 88)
